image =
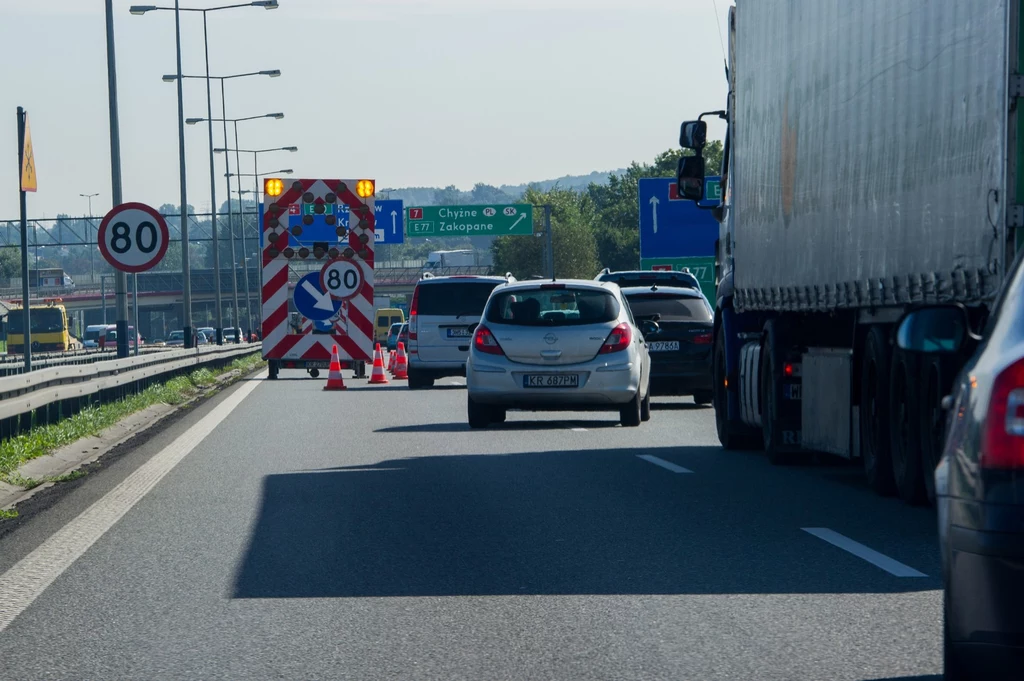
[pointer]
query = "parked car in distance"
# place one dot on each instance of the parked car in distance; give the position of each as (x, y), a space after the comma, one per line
(557, 345)
(176, 338)
(232, 335)
(979, 479)
(680, 323)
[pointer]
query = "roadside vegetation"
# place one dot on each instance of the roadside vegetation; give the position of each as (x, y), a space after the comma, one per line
(92, 420)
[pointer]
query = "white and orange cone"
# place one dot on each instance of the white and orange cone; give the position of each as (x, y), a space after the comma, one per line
(391, 362)
(334, 379)
(377, 376)
(402, 367)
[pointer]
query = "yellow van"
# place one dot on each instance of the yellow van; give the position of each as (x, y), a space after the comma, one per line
(386, 316)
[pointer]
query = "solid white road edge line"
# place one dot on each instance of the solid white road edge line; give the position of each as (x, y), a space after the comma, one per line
(664, 464)
(893, 567)
(30, 576)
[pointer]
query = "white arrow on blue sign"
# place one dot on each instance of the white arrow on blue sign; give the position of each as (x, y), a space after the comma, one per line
(312, 302)
(672, 227)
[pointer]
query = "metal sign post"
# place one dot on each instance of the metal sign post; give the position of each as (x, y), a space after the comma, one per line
(27, 172)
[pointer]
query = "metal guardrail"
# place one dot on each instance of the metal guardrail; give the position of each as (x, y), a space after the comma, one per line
(12, 364)
(70, 387)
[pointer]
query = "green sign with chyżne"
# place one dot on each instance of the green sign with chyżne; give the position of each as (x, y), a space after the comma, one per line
(702, 267)
(489, 220)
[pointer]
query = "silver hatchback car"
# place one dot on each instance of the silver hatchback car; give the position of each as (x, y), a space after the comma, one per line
(557, 346)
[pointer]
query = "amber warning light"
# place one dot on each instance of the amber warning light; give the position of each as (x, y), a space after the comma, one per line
(273, 186)
(364, 188)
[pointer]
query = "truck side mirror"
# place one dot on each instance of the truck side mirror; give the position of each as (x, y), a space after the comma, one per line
(693, 135)
(690, 176)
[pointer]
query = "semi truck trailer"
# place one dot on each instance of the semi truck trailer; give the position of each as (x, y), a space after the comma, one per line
(871, 167)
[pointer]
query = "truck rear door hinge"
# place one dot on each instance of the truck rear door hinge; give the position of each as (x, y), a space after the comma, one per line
(1015, 216)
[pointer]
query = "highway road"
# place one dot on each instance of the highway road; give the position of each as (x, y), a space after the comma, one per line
(281, 532)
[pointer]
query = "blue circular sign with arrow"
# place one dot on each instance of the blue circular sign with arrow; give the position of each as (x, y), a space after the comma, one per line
(312, 302)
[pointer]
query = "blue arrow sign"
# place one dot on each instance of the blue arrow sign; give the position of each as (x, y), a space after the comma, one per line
(390, 225)
(671, 227)
(313, 303)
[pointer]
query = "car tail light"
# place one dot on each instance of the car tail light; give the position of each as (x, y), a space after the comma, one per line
(412, 312)
(1003, 439)
(702, 339)
(618, 339)
(484, 341)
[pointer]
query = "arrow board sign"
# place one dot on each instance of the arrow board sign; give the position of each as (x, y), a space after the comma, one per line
(312, 302)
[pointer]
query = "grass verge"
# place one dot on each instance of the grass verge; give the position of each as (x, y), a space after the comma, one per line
(90, 421)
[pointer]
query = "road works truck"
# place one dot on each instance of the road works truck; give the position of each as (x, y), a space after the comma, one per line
(871, 166)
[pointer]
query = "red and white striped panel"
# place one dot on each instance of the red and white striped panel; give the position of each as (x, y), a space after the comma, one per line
(354, 333)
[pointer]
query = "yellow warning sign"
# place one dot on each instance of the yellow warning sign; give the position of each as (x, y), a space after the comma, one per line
(28, 162)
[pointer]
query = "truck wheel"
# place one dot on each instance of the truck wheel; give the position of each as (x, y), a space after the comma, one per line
(733, 435)
(874, 412)
(770, 394)
(314, 373)
(904, 428)
(273, 369)
(931, 423)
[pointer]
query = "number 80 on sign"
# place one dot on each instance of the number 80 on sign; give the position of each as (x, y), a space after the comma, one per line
(341, 278)
(133, 237)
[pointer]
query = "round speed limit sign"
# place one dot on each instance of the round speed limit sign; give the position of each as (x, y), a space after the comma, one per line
(133, 237)
(341, 278)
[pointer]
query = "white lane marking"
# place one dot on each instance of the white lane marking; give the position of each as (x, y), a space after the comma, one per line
(664, 464)
(578, 430)
(893, 567)
(31, 575)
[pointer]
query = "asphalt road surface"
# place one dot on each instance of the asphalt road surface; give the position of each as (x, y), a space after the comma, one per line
(281, 532)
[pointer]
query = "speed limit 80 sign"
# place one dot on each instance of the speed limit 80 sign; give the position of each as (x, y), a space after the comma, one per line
(133, 237)
(341, 278)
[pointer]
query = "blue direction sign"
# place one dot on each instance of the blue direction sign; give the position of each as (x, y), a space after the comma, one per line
(390, 226)
(312, 302)
(672, 227)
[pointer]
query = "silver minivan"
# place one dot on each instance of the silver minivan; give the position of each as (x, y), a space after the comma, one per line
(443, 312)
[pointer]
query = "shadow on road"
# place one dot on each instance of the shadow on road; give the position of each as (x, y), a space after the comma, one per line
(926, 677)
(572, 522)
(677, 406)
(512, 425)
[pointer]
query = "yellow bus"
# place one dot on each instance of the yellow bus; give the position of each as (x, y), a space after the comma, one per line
(50, 331)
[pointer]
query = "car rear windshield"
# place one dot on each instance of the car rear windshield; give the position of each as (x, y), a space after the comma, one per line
(454, 299)
(553, 307)
(670, 308)
(626, 281)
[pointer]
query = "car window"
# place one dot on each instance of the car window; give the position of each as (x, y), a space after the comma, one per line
(671, 308)
(396, 319)
(382, 320)
(451, 299)
(552, 307)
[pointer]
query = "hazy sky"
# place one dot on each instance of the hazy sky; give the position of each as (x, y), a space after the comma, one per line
(409, 92)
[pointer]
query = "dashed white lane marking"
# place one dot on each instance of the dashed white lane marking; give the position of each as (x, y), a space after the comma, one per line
(30, 576)
(893, 567)
(664, 464)
(578, 430)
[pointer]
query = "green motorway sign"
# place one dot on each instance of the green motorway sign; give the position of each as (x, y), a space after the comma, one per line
(489, 220)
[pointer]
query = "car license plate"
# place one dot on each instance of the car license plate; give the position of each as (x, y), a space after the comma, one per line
(551, 381)
(663, 346)
(461, 332)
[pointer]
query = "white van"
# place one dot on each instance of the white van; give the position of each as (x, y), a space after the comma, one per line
(441, 317)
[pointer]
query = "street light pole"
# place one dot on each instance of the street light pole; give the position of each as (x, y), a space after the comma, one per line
(219, 312)
(227, 171)
(245, 250)
(120, 278)
(186, 283)
(88, 197)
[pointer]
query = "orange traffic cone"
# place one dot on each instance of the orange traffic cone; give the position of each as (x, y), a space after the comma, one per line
(402, 368)
(391, 361)
(334, 380)
(377, 376)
